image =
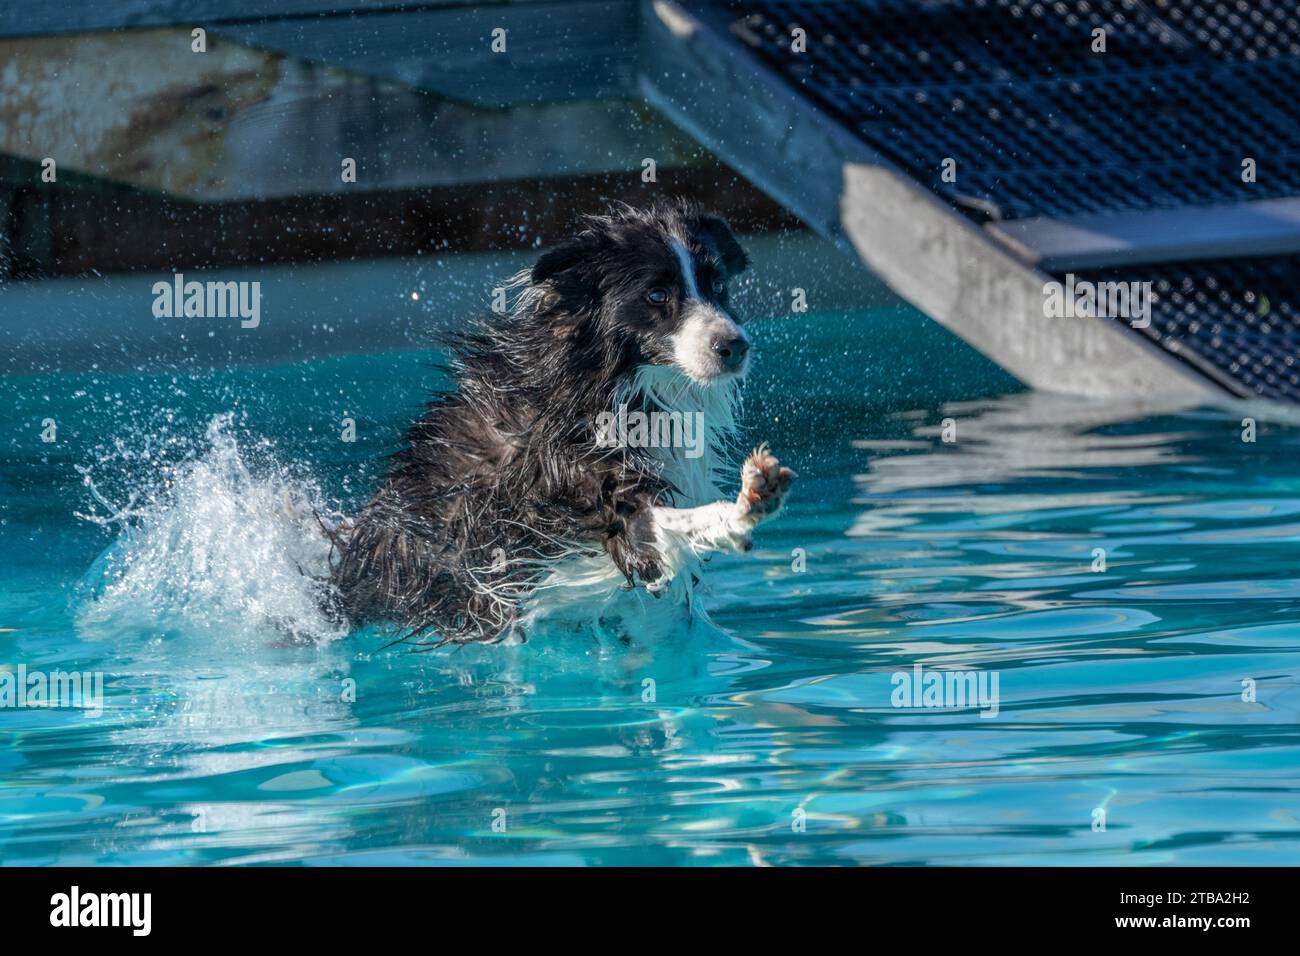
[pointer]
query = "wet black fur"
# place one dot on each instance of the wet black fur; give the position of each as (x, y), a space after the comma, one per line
(507, 457)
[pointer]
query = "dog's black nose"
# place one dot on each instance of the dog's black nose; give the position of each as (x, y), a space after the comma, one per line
(731, 352)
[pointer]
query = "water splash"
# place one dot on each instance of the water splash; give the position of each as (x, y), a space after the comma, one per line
(215, 544)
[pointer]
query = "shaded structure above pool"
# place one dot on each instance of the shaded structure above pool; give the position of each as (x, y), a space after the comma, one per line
(970, 152)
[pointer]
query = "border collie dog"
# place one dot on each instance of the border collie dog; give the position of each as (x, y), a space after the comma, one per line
(509, 503)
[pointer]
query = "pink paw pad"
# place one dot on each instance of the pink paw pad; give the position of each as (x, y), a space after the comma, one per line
(764, 482)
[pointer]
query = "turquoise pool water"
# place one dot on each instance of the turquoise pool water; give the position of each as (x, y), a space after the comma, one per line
(770, 740)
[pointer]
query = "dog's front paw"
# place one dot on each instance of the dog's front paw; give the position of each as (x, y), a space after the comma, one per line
(764, 483)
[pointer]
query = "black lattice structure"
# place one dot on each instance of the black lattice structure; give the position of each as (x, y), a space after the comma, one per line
(1236, 320)
(1040, 125)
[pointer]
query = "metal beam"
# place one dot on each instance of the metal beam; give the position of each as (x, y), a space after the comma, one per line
(29, 18)
(1263, 228)
(561, 50)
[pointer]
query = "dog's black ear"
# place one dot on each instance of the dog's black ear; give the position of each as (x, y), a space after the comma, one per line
(719, 233)
(560, 259)
(565, 304)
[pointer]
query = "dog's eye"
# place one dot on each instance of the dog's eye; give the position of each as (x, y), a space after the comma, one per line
(657, 296)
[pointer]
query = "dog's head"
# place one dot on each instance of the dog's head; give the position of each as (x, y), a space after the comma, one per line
(648, 287)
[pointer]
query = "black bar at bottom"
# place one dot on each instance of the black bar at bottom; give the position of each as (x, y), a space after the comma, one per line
(331, 906)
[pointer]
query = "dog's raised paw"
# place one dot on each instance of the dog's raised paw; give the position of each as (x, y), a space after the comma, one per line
(764, 483)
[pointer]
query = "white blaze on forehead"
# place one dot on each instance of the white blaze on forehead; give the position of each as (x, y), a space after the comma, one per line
(688, 268)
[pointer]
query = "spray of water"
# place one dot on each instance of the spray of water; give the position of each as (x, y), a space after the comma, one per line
(213, 545)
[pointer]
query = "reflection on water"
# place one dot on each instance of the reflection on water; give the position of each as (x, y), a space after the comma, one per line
(1021, 436)
(1128, 572)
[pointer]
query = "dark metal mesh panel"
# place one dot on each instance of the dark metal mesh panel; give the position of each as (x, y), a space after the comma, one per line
(1037, 123)
(1234, 319)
